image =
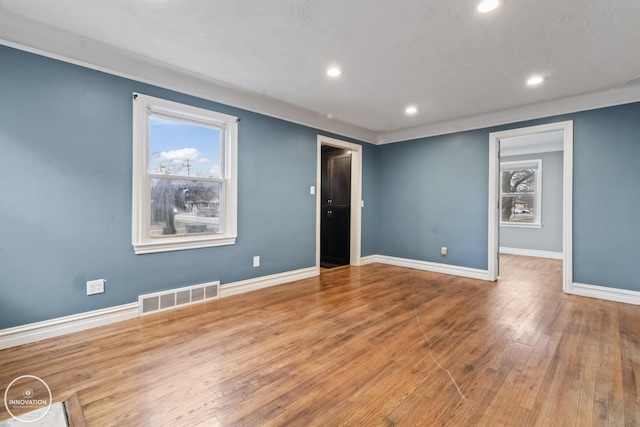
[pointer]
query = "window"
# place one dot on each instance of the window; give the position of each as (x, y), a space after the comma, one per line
(520, 193)
(184, 176)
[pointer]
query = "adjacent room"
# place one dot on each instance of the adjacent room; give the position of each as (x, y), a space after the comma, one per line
(306, 212)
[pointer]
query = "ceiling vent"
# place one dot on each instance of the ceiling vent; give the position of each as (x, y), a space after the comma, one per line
(176, 298)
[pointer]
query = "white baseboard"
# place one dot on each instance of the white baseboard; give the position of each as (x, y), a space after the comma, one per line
(243, 286)
(368, 260)
(33, 332)
(532, 252)
(435, 267)
(601, 292)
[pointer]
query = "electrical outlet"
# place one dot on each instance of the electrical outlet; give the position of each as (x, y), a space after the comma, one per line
(256, 261)
(443, 250)
(95, 286)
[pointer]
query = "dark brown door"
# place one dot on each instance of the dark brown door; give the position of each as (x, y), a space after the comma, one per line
(335, 207)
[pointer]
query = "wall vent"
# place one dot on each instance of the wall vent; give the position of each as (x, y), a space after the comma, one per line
(175, 298)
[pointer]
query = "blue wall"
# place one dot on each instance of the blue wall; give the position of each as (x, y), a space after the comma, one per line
(65, 194)
(433, 192)
(606, 197)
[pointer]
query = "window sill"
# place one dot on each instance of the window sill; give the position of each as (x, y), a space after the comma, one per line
(179, 244)
(520, 225)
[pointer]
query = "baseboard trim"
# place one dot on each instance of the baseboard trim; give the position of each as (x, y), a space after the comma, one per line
(532, 252)
(248, 285)
(602, 292)
(33, 332)
(370, 259)
(19, 335)
(435, 267)
(25, 334)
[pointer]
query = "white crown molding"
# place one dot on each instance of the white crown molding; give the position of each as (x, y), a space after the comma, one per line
(588, 101)
(31, 36)
(28, 35)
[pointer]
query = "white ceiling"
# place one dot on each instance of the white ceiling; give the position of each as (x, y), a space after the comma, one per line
(462, 69)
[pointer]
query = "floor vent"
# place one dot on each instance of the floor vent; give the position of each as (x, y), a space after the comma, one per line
(175, 298)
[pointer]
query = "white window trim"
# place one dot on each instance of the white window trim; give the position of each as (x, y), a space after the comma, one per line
(143, 106)
(538, 211)
(521, 225)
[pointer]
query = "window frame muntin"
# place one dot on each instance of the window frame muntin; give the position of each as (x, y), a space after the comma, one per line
(518, 165)
(143, 107)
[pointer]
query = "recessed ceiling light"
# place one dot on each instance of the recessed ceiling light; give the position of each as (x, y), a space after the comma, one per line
(334, 72)
(535, 80)
(411, 110)
(488, 5)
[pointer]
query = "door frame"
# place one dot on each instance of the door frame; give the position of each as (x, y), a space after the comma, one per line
(567, 196)
(356, 196)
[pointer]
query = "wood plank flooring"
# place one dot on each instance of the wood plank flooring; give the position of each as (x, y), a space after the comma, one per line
(375, 345)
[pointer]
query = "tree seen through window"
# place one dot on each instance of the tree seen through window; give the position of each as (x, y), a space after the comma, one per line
(519, 189)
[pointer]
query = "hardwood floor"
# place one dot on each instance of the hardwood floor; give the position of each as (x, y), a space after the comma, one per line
(373, 345)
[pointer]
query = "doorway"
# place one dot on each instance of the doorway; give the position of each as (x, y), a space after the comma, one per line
(567, 191)
(355, 197)
(335, 206)
(531, 200)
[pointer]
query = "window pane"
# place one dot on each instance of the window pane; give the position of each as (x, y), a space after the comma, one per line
(180, 207)
(183, 149)
(518, 208)
(519, 181)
